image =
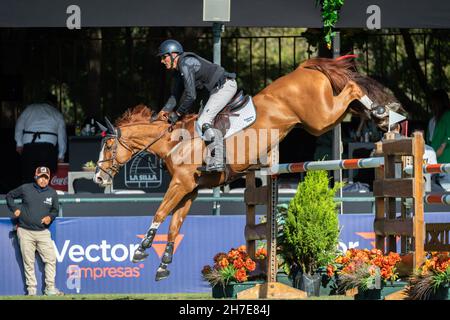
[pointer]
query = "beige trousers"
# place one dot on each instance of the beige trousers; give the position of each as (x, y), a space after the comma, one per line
(218, 99)
(30, 241)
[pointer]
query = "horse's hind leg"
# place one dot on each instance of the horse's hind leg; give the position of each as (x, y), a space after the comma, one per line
(175, 224)
(337, 107)
(350, 92)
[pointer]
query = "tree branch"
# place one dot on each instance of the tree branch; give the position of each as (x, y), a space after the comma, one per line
(414, 62)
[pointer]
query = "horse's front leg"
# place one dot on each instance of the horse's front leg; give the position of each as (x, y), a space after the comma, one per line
(175, 224)
(175, 193)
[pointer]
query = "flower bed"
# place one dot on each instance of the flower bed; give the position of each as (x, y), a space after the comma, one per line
(230, 273)
(373, 273)
(432, 280)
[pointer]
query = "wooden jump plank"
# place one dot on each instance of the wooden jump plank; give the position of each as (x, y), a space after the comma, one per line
(437, 237)
(400, 147)
(256, 196)
(394, 188)
(255, 232)
(397, 227)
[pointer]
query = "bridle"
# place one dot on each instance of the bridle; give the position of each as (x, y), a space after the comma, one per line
(116, 165)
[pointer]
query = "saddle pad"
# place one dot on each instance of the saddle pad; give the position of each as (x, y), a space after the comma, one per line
(240, 119)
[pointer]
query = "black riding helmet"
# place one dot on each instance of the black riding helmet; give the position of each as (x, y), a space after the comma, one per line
(169, 46)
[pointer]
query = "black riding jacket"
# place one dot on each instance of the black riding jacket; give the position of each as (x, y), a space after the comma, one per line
(193, 72)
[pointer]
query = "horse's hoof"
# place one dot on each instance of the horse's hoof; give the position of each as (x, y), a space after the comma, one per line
(379, 112)
(139, 256)
(161, 274)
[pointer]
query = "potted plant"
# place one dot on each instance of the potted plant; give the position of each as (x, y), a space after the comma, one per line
(231, 272)
(371, 272)
(310, 231)
(432, 280)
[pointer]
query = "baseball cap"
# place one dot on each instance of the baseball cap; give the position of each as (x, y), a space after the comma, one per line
(41, 171)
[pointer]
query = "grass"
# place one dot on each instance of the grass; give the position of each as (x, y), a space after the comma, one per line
(174, 296)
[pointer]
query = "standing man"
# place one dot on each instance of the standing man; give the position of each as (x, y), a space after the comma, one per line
(38, 209)
(193, 72)
(39, 129)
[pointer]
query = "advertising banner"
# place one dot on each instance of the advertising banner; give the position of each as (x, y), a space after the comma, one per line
(94, 254)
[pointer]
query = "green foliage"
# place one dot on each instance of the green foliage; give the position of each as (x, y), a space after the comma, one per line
(227, 273)
(330, 16)
(362, 278)
(311, 228)
(441, 279)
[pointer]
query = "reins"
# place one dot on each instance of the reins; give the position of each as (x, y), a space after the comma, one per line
(117, 138)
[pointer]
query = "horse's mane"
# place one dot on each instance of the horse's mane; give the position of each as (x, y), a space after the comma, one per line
(135, 114)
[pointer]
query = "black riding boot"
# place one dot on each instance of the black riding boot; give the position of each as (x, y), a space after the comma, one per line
(214, 142)
(139, 253)
(162, 271)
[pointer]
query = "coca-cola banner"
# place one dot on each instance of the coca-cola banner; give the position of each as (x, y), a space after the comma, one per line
(59, 179)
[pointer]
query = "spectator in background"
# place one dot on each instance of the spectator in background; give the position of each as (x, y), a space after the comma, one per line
(441, 134)
(38, 210)
(438, 107)
(39, 129)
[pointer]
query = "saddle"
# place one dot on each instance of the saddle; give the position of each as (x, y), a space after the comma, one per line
(222, 120)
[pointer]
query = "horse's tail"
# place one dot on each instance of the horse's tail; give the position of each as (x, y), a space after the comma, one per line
(343, 69)
(338, 71)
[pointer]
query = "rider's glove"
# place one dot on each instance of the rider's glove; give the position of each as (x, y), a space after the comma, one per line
(154, 117)
(173, 117)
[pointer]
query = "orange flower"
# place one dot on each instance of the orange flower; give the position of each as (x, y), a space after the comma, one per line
(219, 256)
(372, 270)
(206, 270)
(238, 263)
(250, 264)
(243, 249)
(261, 253)
(330, 270)
(224, 262)
(376, 252)
(233, 254)
(241, 275)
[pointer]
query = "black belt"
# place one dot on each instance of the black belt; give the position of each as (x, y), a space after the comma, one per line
(37, 134)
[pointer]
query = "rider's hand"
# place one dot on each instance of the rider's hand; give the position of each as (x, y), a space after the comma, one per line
(17, 213)
(173, 117)
(154, 117)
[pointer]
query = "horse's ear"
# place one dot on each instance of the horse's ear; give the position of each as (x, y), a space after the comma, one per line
(111, 128)
(102, 127)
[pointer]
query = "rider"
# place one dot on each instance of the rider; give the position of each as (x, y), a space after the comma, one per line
(193, 72)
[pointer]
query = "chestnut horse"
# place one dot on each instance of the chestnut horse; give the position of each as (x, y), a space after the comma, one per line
(317, 95)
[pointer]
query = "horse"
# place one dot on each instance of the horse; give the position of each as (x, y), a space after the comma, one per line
(317, 95)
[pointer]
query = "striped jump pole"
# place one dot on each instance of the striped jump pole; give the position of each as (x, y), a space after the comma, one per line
(364, 163)
(441, 198)
(431, 168)
(327, 165)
